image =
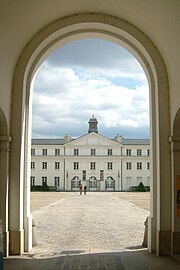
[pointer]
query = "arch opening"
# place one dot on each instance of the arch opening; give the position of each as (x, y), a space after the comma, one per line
(144, 50)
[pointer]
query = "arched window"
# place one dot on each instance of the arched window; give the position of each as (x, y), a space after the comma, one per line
(92, 183)
(75, 183)
(110, 183)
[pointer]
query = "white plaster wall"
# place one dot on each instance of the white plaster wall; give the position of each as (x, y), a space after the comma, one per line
(84, 164)
(134, 148)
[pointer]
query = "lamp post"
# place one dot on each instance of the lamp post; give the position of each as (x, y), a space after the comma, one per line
(66, 179)
(118, 179)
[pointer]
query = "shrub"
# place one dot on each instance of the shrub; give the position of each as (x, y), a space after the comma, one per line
(141, 187)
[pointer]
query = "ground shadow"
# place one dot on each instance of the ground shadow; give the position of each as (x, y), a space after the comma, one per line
(130, 259)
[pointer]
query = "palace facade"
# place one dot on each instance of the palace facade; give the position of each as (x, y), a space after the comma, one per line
(93, 160)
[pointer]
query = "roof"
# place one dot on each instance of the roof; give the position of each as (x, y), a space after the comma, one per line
(62, 142)
(47, 141)
(135, 142)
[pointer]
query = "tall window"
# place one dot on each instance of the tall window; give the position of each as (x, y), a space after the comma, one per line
(44, 152)
(109, 165)
(139, 165)
(44, 180)
(56, 181)
(101, 175)
(33, 152)
(84, 175)
(76, 152)
(57, 165)
(76, 165)
(93, 152)
(139, 152)
(57, 152)
(109, 152)
(128, 152)
(128, 165)
(93, 165)
(44, 165)
(148, 152)
(148, 165)
(32, 180)
(32, 165)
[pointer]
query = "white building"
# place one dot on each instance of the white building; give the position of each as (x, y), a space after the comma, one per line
(98, 162)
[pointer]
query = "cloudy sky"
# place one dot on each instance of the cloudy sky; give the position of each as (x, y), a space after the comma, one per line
(86, 77)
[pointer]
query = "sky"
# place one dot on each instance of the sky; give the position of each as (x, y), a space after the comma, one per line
(90, 77)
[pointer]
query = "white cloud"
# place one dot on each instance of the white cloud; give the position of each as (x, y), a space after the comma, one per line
(66, 96)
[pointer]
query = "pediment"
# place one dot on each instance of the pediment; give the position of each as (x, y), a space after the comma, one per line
(93, 139)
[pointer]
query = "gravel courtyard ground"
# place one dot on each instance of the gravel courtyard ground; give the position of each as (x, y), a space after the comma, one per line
(99, 221)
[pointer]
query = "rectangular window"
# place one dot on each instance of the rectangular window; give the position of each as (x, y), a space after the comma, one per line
(33, 152)
(84, 175)
(128, 179)
(57, 165)
(44, 180)
(128, 166)
(128, 152)
(109, 152)
(109, 165)
(101, 175)
(93, 152)
(76, 152)
(93, 166)
(44, 165)
(57, 152)
(139, 152)
(76, 165)
(148, 152)
(56, 181)
(32, 180)
(148, 165)
(44, 152)
(32, 165)
(139, 166)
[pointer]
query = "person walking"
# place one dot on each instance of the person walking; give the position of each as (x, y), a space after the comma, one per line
(81, 188)
(85, 188)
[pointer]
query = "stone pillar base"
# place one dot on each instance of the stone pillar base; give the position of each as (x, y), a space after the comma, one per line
(16, 242)
(151, 243)
(6, 243)
(28, 234)
(176, 243)
(163, 247)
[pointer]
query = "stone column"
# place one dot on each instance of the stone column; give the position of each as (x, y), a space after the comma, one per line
(175, 153)
(16, 185)
(4, 185)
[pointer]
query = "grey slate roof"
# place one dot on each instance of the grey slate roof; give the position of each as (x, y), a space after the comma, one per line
(61, 141)
(135, 141)
(47, 141)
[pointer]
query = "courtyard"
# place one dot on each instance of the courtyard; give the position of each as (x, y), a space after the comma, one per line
(96, 222)
(99, 230)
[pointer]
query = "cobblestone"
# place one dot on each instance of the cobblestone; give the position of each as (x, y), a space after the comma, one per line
(90, 223)
(99, 231)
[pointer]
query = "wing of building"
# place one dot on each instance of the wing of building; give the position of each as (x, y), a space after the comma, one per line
(93, 160)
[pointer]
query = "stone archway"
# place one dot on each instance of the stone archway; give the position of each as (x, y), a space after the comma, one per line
(4, 178)
(175, 153)
(46, 40)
